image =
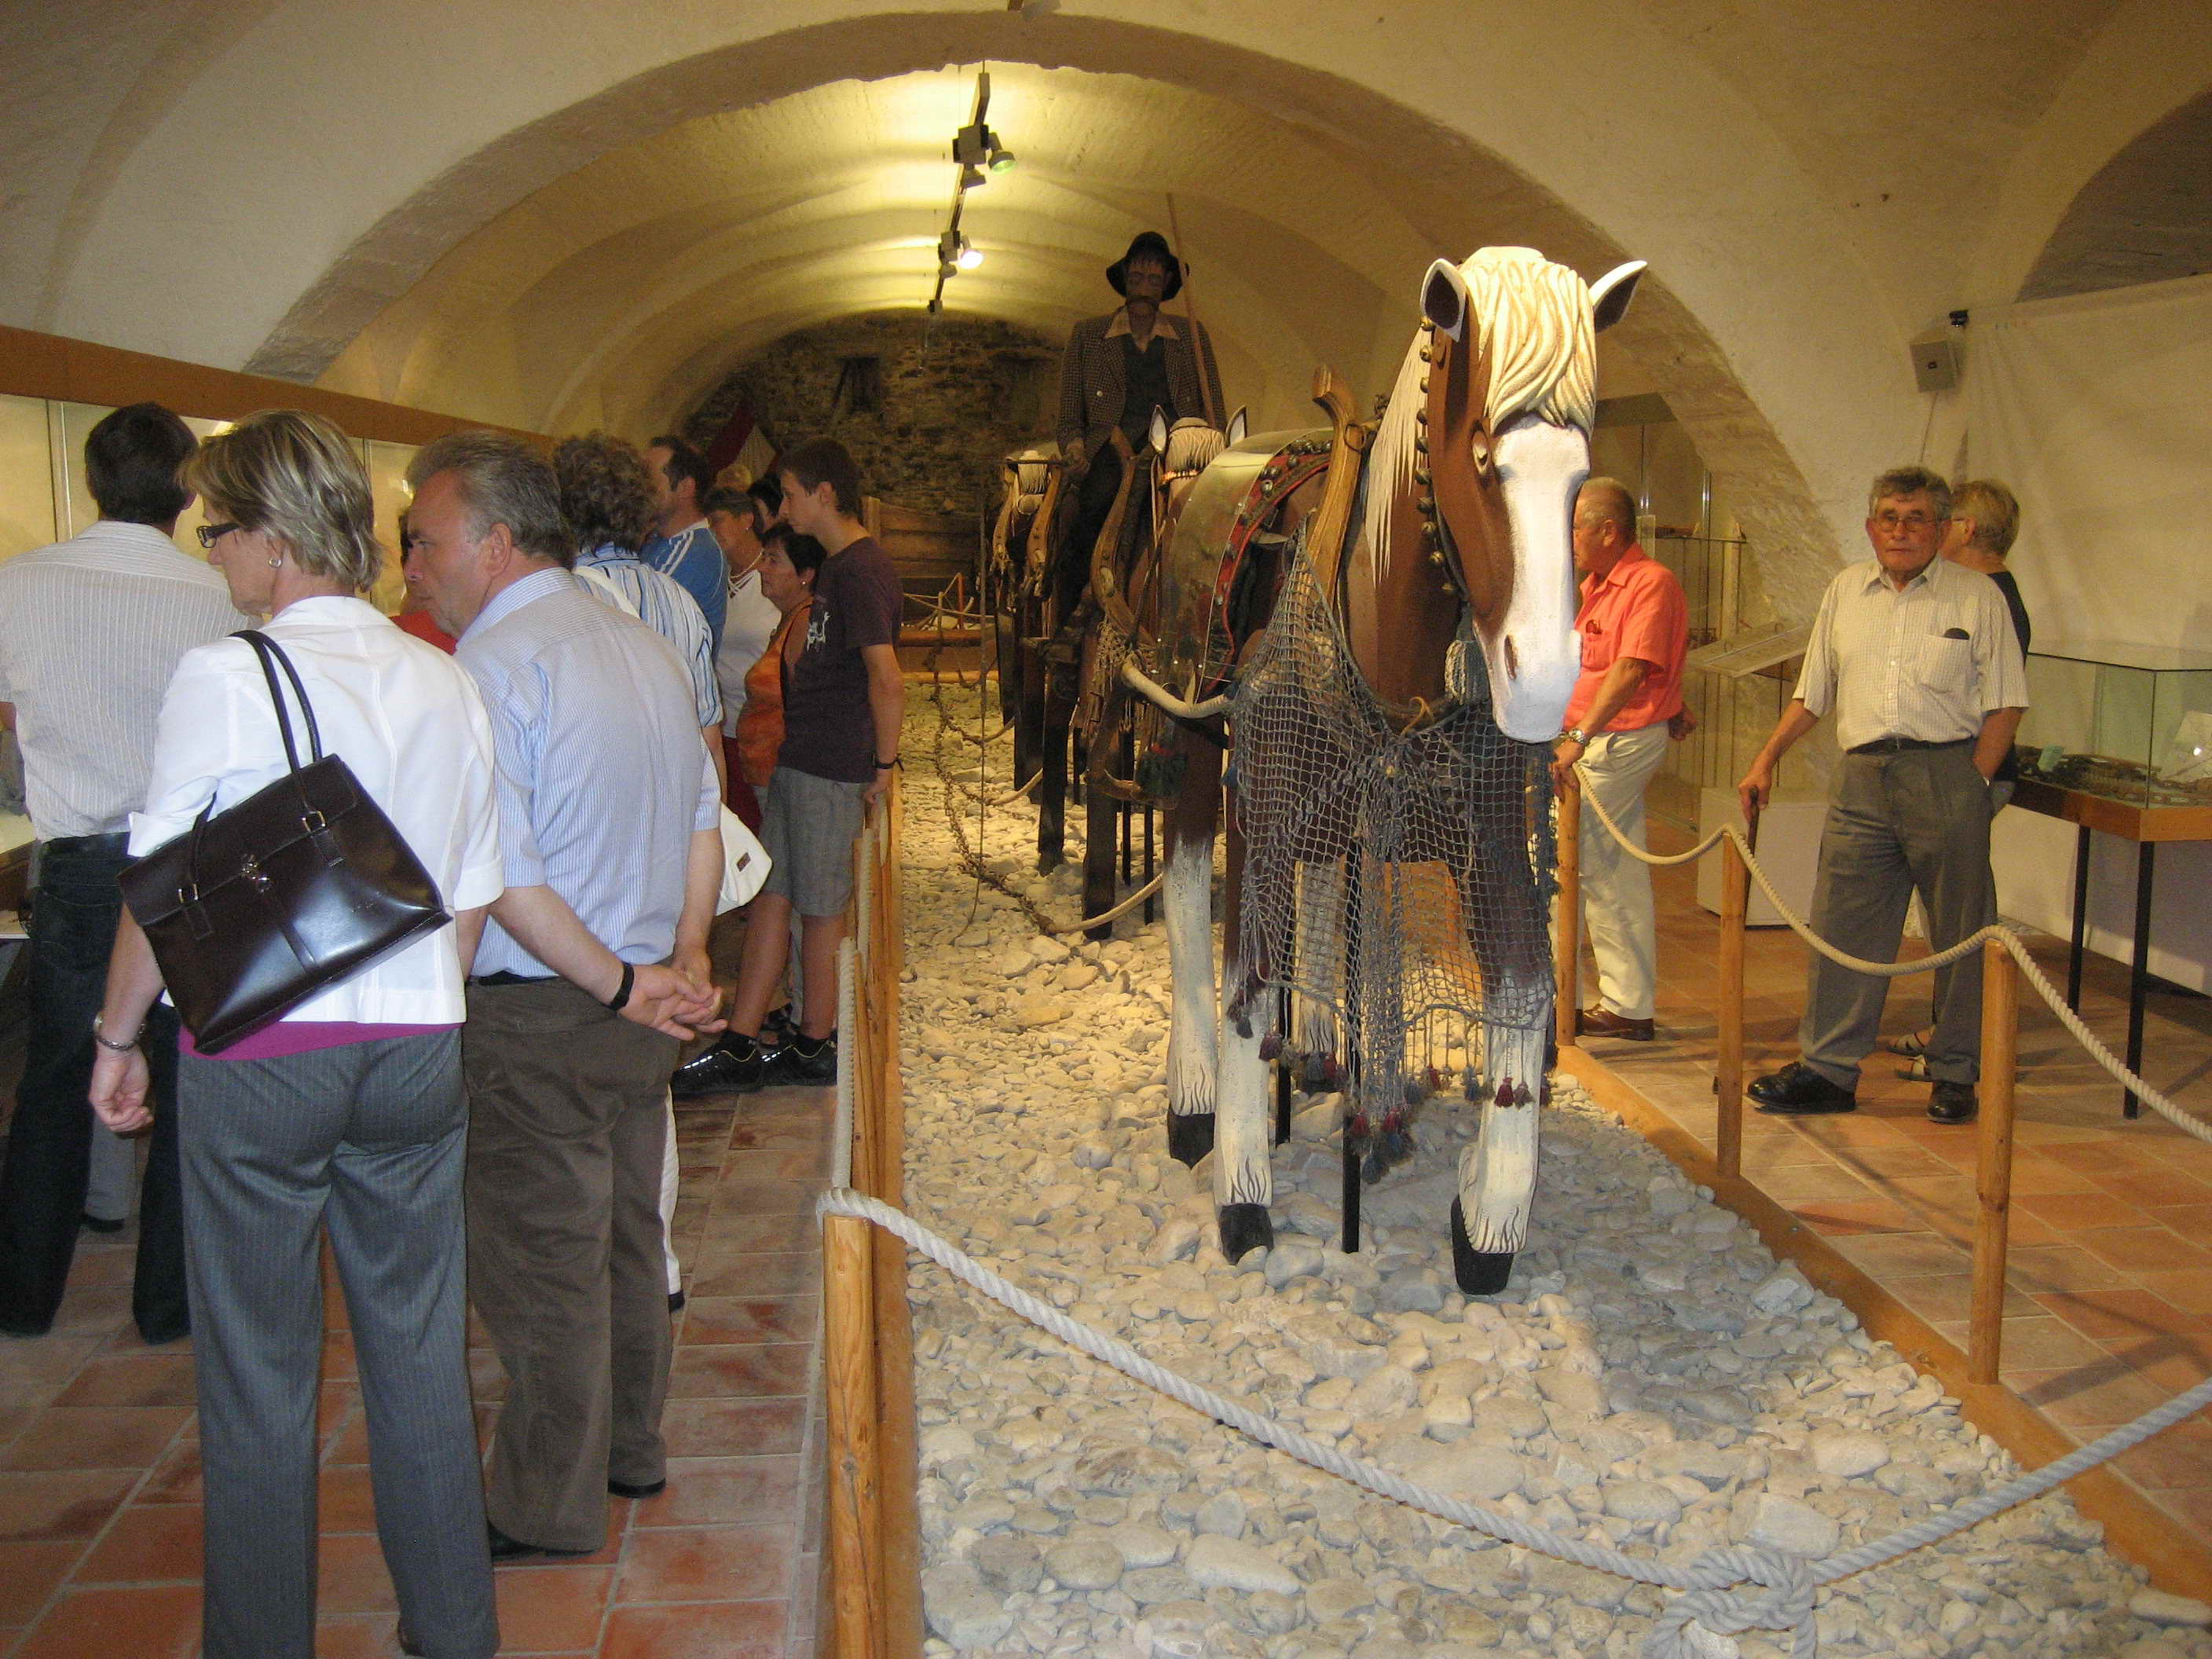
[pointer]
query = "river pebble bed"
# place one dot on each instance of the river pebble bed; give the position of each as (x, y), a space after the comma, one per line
(1650, 1379)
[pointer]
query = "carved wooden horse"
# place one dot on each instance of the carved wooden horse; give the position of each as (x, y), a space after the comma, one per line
(1462, 519)
(1014, 582)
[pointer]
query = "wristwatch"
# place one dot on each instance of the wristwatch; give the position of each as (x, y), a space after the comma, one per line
(110, 1043)
(1576, 736)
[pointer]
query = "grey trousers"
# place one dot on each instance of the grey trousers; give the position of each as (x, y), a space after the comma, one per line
(1919, 819)
(567, 1115)
(365, 1141)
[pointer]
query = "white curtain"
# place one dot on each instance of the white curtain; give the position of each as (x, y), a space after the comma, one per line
(2097, 410)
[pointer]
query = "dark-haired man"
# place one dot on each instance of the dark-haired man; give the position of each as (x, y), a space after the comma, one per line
(682, 545)
(843, 701)
(91, 630)
(1118, 369)
(1916, 658)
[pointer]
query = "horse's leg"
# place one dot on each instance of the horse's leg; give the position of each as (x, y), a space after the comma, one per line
(1052, 793)
(1502, 911)
(1102, 816)
(1314, 1036)
(1243, 1182)
(1189, 892)
(1029, 706)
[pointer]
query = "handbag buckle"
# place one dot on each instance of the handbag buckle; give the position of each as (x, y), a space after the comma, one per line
(255, 875)
(314, 822)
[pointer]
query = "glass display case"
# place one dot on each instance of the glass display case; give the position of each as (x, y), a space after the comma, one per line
(2130, 723)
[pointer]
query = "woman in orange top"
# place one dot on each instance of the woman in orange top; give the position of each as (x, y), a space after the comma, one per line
(789, 563)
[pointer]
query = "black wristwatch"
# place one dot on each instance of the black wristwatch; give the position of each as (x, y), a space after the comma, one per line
(620, 1000)
(885, 766)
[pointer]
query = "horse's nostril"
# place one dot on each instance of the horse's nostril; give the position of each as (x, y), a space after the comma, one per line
(1512, 659)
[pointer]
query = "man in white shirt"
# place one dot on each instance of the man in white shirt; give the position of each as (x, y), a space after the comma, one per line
(91, 629)
(1917, 657)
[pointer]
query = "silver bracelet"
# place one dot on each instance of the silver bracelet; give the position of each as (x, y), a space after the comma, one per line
(110, 1043)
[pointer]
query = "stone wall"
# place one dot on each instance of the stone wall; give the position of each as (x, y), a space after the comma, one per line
(931, 422)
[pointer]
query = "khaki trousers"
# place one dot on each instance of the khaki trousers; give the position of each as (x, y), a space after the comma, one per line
(1616, 906)
(1918, 818)
(567, 1117)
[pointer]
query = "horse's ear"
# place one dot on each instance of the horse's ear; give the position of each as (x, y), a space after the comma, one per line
(1160, 431)
(1443, 297)
(1611, 293)
(1236, 428)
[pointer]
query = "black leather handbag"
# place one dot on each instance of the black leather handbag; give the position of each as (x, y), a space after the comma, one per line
(295, 889)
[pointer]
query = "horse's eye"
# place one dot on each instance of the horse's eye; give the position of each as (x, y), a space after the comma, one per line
(1481, 457)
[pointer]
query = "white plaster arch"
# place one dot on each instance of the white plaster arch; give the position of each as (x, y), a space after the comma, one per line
(329, 155)
(2151, 57)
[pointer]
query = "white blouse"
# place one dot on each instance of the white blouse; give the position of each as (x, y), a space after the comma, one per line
(408, 720)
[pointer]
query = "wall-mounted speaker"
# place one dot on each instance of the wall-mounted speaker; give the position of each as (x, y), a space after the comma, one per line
(1936, 363)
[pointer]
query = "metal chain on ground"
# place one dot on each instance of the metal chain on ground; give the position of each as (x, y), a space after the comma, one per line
(972, 860)
(2016, 947)
(1784, 1598)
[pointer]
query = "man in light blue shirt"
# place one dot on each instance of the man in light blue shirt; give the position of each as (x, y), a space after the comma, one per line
(686, 547)
(593, 964)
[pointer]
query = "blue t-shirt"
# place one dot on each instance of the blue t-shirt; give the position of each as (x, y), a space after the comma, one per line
(693, 558)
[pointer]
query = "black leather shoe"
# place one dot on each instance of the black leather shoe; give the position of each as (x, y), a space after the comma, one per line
(723, 1069)
(505, 1549)
(408, 1645)
(1601, 1021)
(675, 1301)
(791, 1066)
(1953, 1103)
(1798, 1091)
(100, 1223)
(640, 1492)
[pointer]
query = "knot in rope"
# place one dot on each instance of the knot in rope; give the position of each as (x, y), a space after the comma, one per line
(1689, 1626)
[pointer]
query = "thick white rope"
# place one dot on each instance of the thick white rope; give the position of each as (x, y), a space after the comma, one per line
(1119, 910)
(1784, 1598)
(2016, 947)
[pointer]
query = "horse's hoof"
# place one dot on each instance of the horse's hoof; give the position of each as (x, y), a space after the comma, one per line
(1245, 1227)
(1550, 1053)
(1479, 1272)
(1374, 1165)
(1190, 1136)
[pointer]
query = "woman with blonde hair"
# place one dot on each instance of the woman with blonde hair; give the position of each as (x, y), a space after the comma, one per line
(347, 1115)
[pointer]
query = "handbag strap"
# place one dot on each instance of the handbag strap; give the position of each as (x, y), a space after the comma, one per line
(265, 649)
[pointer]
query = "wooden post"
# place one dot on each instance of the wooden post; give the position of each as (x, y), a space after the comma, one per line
(1728, 1012)
(849, 1369)
(1993, 1167)
(1567, 938)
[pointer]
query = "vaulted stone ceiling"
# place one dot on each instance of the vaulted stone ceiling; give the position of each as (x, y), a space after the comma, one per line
(557, 215)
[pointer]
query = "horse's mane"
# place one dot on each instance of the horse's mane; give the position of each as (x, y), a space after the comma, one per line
(1531, 319)
(1191, 445)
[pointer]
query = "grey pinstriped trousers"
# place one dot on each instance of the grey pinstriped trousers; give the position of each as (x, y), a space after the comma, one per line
(367, 1140)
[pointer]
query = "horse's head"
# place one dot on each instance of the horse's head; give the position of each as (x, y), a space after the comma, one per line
(1497, 444)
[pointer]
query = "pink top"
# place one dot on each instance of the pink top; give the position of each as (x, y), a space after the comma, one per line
(1635, 610)
(303, 1036)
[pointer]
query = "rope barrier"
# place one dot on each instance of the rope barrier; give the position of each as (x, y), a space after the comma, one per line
(1708, 1605)
(2014, 945)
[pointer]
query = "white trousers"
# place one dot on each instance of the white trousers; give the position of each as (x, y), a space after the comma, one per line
(1617, 910)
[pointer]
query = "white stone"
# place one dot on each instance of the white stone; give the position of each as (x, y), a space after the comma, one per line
(1383, 1393)
(1085, 1563)
(1293, 1258)
(1783, 1523)
(960, 1608)
(1141, 1545)
(1093, 1152)
(1644, 1502)
(2163, 1607)
(1031, 1011)
(1336, 1598)
(1849, 1453)
(1229, 1563)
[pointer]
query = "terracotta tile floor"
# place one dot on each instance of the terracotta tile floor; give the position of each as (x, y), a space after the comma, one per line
(100, 1491)
(2110, 1309)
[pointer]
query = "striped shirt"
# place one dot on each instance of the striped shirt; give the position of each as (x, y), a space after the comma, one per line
(91, 631)
(602, 778)
(662, 605)
(1926, 662)
(693, 558)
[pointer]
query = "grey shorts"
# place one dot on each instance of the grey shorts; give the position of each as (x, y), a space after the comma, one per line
(808, 824)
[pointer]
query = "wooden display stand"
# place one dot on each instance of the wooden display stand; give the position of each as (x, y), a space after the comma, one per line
(2146, 826)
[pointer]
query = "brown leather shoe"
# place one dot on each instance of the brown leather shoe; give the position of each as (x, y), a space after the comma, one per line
(1601, 1021)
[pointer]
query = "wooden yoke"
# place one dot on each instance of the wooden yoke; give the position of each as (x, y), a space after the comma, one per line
(1332, 518)
(1105, 580)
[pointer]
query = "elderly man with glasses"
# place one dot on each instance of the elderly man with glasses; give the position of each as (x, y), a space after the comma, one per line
(1917, 657)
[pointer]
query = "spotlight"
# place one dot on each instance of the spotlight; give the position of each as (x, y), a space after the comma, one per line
(969, 256)
(1002, 159)
(973, 177)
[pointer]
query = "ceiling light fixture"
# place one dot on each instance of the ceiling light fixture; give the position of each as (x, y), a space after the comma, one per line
(974, 149)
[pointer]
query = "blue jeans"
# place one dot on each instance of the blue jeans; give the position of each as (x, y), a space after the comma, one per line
(42, 1187)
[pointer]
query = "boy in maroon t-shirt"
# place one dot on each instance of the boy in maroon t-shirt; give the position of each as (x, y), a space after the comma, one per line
(843, 703)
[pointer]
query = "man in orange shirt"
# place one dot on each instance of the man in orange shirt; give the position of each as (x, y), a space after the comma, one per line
(1635, 626)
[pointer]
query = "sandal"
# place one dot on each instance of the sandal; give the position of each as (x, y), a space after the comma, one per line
(1909, 1044)
(1918, 1072)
